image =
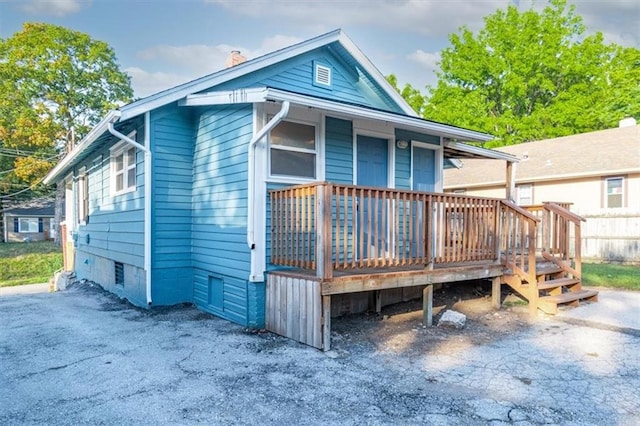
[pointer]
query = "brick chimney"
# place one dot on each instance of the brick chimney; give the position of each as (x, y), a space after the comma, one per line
(234, 59)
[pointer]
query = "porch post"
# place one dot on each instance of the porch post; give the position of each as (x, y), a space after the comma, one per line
(324, 266)
(511, 182)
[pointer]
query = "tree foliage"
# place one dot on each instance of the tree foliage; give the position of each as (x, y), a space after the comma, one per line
(55, 84)
(414, 98)
(532, 75)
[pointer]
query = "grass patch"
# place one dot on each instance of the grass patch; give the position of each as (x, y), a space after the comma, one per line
(28, 263)
(611, 275)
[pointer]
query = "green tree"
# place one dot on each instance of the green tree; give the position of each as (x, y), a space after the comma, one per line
(414, 98)
(532, 75)
(55, 84)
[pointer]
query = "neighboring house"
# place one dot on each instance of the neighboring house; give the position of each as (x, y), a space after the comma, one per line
(190, 195)
(30, 221)
(598, 172)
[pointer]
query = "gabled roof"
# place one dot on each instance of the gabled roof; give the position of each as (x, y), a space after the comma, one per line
(604, 152)
(171, 95)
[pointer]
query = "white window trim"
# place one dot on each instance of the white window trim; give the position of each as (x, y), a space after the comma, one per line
(82, 204)
(519, 188)
(319, 172)
(120, 149)
(439, 159)
(606, 191)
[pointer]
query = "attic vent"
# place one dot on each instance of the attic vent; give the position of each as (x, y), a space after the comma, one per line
(322, 75)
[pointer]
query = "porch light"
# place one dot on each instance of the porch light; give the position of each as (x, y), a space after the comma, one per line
(402, 144)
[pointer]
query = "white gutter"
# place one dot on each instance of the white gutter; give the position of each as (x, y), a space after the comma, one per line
(252, 172)
(484, 152)
(147, 192)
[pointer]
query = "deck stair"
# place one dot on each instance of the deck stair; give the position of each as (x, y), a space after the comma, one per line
(554, 286)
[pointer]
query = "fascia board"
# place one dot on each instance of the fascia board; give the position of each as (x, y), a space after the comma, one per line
(85, 143)
(179, 92)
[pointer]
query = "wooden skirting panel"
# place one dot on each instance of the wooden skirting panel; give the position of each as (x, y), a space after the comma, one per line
(294, 309)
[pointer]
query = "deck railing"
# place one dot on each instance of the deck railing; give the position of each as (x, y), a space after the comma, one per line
(332, 227)
(559, 236)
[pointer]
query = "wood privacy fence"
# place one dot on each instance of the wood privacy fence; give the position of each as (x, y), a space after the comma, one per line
(611, 236)
(332, 227)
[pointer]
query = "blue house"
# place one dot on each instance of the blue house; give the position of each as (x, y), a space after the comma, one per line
(260, 191)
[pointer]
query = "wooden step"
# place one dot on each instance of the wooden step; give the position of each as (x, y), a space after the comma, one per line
(549, 304)
(558, 282)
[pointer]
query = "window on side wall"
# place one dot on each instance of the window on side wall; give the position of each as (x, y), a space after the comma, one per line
(123, 167)
(83, 197)
(292, 151)
(29, 225)
(615, 192)
(525, 195)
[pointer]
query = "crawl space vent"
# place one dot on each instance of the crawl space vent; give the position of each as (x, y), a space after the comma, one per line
(119, 272)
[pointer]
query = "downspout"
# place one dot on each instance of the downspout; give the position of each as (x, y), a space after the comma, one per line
(252, 172)
(147, 193)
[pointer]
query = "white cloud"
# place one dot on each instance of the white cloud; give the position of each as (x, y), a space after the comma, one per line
(427, 60)
(54, 7)
(147, 83)
(417, 16)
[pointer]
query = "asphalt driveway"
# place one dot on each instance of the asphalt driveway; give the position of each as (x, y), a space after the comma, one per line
(82, 356)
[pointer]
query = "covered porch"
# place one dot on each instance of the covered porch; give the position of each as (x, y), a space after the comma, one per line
(328, 239)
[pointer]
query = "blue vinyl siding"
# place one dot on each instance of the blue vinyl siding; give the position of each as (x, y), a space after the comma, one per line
(172, 140)
(115, 227)
(296, 75)
(339, 151)
(220, 256)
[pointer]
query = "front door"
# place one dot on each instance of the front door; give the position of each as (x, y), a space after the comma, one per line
(424, 169)
(424, 180)
(373, 170)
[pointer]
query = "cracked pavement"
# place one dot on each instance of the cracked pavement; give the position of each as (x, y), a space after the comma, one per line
(83, 356)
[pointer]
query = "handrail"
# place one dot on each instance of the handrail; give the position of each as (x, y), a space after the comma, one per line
(561, 211)
(520, 210)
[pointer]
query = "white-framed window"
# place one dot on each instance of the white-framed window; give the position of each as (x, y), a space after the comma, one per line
(82, 206)
(615, 192)
(525, 195)
(28, 225)
(123, 167)
(293, 150)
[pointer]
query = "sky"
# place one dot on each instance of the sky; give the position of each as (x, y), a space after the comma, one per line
(162, 43)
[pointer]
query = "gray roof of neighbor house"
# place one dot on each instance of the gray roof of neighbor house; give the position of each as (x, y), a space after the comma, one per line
(37, 208)
(605, 152)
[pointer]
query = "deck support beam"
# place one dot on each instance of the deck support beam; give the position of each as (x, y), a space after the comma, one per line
(427, 306)
(326, 323)
(378, 299)
(496, 286)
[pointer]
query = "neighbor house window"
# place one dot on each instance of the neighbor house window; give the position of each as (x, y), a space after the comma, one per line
(123, 167)
(525, 195)
(614, 192)
(83, 197)
(293, 150)
(29, 225)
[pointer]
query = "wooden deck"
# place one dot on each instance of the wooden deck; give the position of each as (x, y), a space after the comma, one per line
(333, 240)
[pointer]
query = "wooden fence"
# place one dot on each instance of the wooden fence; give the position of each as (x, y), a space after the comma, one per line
(611, 236)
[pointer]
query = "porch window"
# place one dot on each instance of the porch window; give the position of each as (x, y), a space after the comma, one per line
(525, 195)
(29, 225)
(293, 151)
(123, 167)
(614, 192)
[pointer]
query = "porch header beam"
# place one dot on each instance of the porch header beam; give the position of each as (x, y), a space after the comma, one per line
(266, 94)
